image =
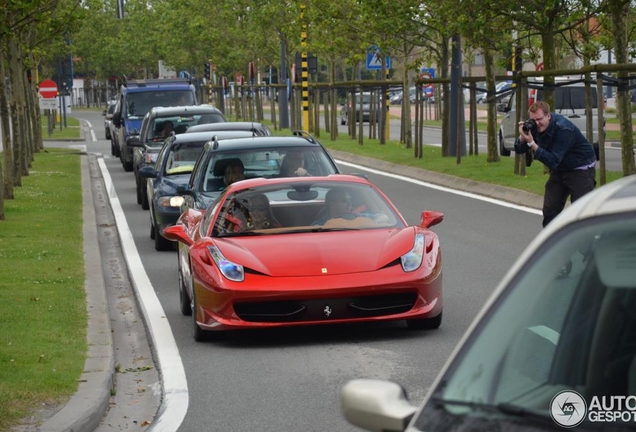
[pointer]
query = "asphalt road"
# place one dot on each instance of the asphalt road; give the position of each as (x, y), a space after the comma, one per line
(290, 379)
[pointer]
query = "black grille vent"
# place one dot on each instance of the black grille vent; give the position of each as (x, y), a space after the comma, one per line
(326, 309)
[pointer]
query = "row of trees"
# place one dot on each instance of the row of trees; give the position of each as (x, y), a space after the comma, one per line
(185, 35)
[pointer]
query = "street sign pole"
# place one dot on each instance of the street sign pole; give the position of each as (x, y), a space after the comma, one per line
(304, 69)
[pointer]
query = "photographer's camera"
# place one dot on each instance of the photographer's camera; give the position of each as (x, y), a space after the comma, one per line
(529, 125)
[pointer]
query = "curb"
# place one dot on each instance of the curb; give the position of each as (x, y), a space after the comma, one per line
(86, 408)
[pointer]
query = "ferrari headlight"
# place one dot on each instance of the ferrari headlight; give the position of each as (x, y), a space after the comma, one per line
(230, 270)
(412, 260)
(171, 201)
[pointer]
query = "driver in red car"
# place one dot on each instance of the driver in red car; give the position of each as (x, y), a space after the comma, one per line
(339, 204)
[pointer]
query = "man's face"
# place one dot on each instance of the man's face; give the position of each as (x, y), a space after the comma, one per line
(295, 160)
(235, 173)
(258, 210)
(542, 119)
(340, 204)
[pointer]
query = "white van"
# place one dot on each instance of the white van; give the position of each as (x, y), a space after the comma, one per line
(569, 101)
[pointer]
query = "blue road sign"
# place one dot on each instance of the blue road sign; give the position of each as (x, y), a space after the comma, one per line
(374, 61)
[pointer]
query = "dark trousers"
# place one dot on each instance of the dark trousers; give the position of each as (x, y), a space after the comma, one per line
(560, 185)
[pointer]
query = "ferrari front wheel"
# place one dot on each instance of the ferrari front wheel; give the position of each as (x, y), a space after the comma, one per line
(184, 298)
(199, 334)
(426, 323)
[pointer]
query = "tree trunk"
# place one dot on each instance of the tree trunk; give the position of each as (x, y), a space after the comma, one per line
(441, 96)
(334, 100)
(16, 110)
(7, 183)
(619, 10)
(493, 151)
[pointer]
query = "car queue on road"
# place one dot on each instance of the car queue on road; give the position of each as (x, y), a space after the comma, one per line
(186, 174)
(219, 247)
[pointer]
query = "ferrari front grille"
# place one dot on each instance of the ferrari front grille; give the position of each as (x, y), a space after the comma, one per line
(325, 309)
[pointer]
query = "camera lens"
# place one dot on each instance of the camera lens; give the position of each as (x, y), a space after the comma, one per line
(528, 125)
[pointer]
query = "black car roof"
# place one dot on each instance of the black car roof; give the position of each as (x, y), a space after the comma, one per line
(190, 109)
(206, 136)
(260, 142)
(232, 125)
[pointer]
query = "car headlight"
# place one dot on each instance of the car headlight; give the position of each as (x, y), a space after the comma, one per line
(171, 201)
(412, 260)
(230, 270)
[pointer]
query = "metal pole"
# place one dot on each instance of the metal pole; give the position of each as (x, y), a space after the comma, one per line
(304, 69)
(283, 107)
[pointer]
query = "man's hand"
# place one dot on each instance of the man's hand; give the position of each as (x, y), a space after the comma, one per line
(525, 137)
(301, 172)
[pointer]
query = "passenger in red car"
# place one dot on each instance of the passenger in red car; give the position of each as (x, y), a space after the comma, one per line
(339, 204)
(260, 214)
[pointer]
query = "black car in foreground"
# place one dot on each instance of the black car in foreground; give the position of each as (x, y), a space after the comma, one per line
(271, 156)
(172, 169)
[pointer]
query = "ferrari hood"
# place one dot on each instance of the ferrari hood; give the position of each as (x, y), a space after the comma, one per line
(321, 253)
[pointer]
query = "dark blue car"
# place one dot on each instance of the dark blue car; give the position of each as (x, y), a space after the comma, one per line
(136, 98)
(175, 163)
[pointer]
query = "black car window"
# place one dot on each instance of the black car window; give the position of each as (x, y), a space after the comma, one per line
(182, 157)
(139, 103)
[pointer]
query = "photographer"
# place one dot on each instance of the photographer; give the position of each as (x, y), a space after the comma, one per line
(560, 145)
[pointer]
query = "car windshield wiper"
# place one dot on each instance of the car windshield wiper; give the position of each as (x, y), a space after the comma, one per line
(321, 229)
(502, 408)
(242, 234)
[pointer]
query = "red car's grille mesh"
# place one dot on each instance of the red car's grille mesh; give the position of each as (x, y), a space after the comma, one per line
(326, 309)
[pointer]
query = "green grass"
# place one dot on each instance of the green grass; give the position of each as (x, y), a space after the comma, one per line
(69, 132)
(42, 296)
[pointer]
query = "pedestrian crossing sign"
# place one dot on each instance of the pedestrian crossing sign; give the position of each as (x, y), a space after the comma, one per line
(374, 60)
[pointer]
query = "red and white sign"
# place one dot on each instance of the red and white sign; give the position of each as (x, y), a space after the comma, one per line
(48, 89)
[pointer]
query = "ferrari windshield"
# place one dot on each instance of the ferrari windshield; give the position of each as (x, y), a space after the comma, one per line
(303, 207)
(566, 324)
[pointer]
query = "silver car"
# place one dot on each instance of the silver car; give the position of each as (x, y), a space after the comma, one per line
(364, 109)
(555, 345)
(108, 117)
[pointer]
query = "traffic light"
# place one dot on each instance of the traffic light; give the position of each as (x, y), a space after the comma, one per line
(206, 68)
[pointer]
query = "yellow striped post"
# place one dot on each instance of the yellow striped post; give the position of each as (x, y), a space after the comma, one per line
(304, 69)
(210, 85)
(387, 129)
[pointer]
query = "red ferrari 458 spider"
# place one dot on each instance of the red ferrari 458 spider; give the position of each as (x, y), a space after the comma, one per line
(306, 251)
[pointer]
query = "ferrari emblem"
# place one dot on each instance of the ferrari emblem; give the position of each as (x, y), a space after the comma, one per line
(324, 270)
(327, 311)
